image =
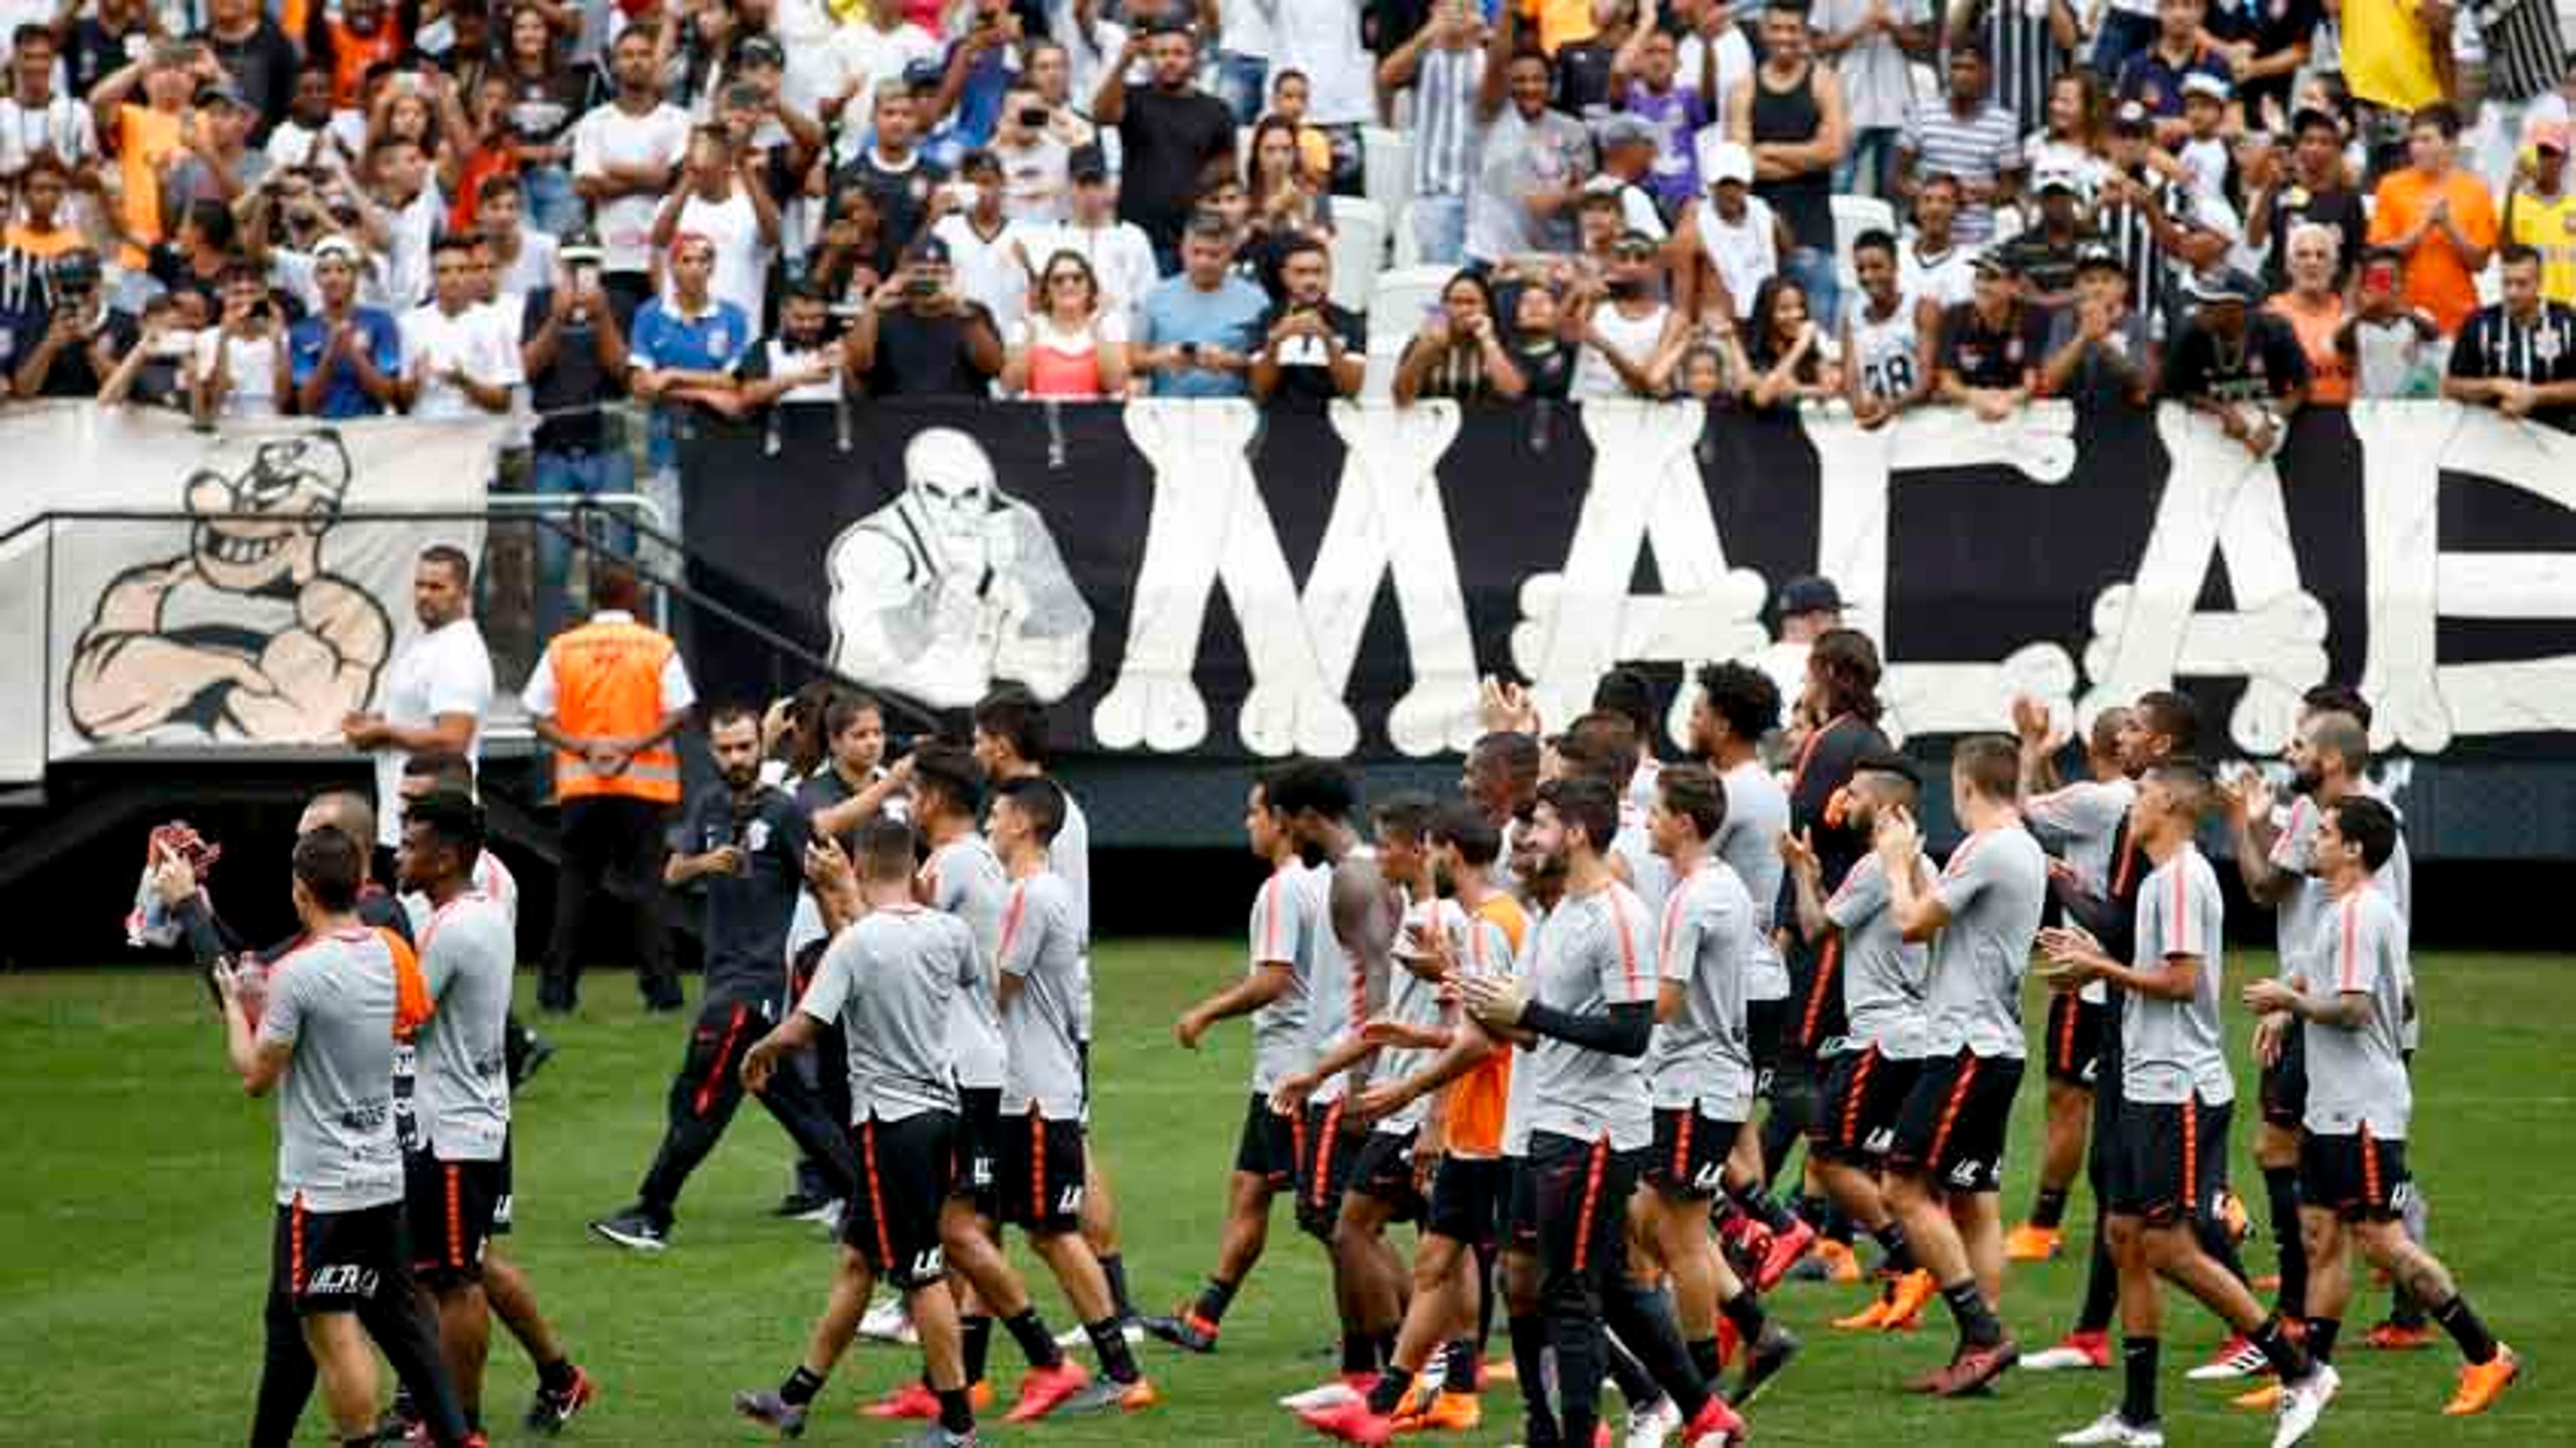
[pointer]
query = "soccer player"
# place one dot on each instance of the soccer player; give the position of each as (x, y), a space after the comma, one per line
(2082, 820)
(428, 771)
(1284, 936)
(458, 1196)
(1602, 745)
(1587, 1012)
(891, 977)
(325, 1043)
(1361, 910)
(1945, 1162)
(1500, 778)
(1010, 740)
(1884, 979)
(1040, 1160)
(2175, 1095)
(1701, 1077)
(2359, 1012)
(747, 842)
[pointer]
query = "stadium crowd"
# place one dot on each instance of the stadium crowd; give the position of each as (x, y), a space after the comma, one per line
(341, 208)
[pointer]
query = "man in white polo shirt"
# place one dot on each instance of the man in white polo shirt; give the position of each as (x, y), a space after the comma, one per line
(437, 690)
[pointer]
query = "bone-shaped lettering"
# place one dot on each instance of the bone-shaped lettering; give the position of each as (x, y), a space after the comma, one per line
(1390, 496)
(1964, 698)
(2280, 649)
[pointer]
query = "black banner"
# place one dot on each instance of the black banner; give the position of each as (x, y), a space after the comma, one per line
(1206, 578)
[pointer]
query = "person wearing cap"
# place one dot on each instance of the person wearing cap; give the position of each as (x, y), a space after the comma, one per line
(1200, 327)
(2316, 312)
(1629, 146)
(2316, 187)
(1806, 608)
(2100, 351)
(69, 348)
(1991, 345)
(1535, 163)
(1791, 118)
(919, 338)
(1172, 135)
(220, 164)
(1961, 133)
(2156, 223)
(1626, 325)
(626, 152)
(1121, 254)
(2241, 367)
(1730, 243)
(2045, 255)
(2540, 210)
(2440, 215)
(344, 360)
(2154, 78)
(257, 57)
(2203, 151)
(1887, 336)
(153, 372)
(2519, 355)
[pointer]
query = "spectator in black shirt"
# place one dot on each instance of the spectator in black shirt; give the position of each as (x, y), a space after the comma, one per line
(2518, 356)
(2241, 366)
(67, 348)
(2045, 256)
(258, 56)
(2314, 189)
(1312, 351)
(1539, 347)
(1173, 136)
(154, 371)
(919, 338)
(1990, 345)
(573, 354)
(896, 176)
(2099, 350)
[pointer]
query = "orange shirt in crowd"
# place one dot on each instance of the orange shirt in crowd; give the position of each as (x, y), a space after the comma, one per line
(144, 139)
(2329, 371)
(1560, 21)
(2438, 279)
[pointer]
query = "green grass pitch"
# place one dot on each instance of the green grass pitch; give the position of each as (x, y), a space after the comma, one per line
(134, 1237)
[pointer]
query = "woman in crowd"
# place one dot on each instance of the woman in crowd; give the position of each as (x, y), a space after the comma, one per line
(1069, 347)
(1788, 360)
(1459, 352)
(2072, 139)
(546, 97)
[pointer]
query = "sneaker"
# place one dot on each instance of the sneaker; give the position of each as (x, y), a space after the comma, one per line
(2075, 1352)
(2116, 1431)
(1448, 1413)
(1650, 1425)
(2265, 1399)
(888, 1322)
(634, 1231)
(401, 1420)
(1783, 1253)
(549, 1411)
(1842, 1264)
(2302, 1404)
(2482, 1383)
(1102, 1394)
(1872, 1317)
(1340, 1390)
(1764, 1360)
(2395, 1336)
(1971, 1370)
(1078, 1336)
(913, 1400)
(801, 1205)
(1351, 1422)
(529, 1062)
(1043, 1390)
(2236, 1358)
(1184, 1329)
(772, 1411)
(2031, 1242)
(1914, 1292)
(935, 1436)
(1717, 1426)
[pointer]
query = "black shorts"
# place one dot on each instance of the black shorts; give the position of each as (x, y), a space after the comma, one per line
(1817, 1022)
(2284, 1087)
(452, 1210)
(1267, 1147)
(2359, 1178)
(1863, 1095)
(1467, 1199)
(1382, 1170)
(1688, 1161)
(1952, 1126)
(2075, 1039)
(2171, 1161)
(1324, 1162)
(1766, 1033)
(1581, 1195)
(338, 1261)
(1520, 1205)
(979, 1140)
(906, 1170)
(1040, 1166)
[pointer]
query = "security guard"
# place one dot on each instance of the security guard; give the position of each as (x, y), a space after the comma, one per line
(608, 695)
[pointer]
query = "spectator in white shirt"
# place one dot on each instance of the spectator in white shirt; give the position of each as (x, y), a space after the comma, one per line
(1933, 263)
(625, 154)
(1119, 252)
(1868, 42)
(1245, 40)
(1033, 161)
(984, 243)
(403, 208)
(1322, 38)
(437, 690)
(240, 368)
(460, 357)
(723, 199)
(36, 116)
(523, 259)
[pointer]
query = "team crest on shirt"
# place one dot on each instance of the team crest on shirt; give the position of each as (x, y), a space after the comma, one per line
(755, 837)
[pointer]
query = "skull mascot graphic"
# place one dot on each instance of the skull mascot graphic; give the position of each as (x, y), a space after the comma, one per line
(247, 636)
(955, 584)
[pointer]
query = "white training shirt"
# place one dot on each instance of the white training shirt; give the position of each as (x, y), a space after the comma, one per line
(444, 671)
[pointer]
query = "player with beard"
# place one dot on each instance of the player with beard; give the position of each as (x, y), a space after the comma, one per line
(2176, 1095)
(1587, 1016)
(458, 1186)
(2081, 821)
(1285, 936)
(1945, 1162)
(1500, 778)
(1362, 909)
(2352, 1162)
(747, 842)
(1884, 985)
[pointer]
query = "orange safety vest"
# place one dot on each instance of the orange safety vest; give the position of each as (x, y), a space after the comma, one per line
(608, 682)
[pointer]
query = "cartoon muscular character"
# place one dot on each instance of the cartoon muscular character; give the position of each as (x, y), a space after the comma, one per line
(955, 584)
(246, 637)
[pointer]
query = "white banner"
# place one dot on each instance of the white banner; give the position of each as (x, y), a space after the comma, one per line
(261, 610)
